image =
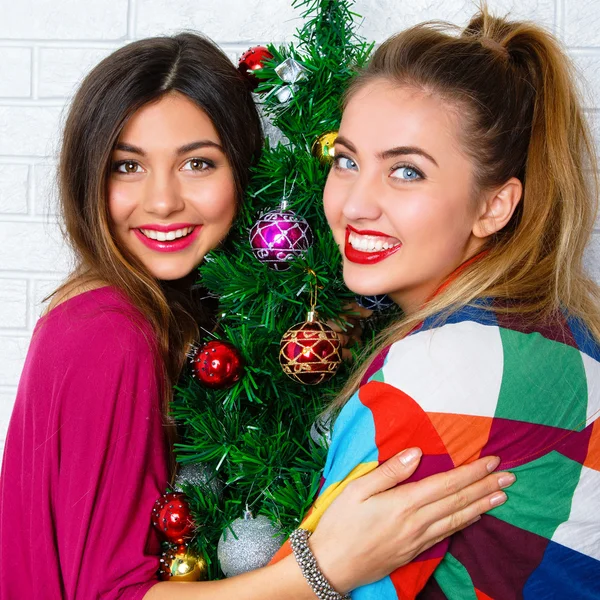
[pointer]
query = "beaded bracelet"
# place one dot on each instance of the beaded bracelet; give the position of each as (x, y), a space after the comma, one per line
(308, 565)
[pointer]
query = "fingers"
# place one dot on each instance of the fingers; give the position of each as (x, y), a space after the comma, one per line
(442, 485)
(388, 474)
(465, 517)
(484, 494)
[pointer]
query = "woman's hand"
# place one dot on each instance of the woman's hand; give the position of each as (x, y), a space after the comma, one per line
(370, 530)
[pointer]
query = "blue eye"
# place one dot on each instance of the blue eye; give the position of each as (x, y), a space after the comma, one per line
(344, 163)
(406, 173)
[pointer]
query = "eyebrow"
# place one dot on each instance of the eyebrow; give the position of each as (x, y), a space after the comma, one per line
(181, 150)
(392, 152)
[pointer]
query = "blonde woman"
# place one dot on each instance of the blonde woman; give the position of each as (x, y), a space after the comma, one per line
(463, 187)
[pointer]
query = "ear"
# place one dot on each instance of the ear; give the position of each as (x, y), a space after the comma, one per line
(498, 208)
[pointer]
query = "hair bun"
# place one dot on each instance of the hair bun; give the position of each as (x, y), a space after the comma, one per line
(495, 47)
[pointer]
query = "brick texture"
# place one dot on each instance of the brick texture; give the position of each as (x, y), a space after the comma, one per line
(47, 47)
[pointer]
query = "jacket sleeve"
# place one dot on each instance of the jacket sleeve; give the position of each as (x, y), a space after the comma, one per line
(407, 403)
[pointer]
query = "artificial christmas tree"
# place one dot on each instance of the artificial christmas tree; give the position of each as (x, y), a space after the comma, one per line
(255, 436)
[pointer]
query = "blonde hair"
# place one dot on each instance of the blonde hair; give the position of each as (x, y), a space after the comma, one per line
(520, 117)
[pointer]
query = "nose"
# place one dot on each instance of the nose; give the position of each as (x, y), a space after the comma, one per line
(162, 196)
(362, 200)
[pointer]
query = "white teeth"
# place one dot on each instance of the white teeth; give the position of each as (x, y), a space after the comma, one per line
(163, 236)
(369, 243)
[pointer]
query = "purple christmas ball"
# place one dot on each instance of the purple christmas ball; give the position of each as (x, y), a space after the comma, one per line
(279, 237)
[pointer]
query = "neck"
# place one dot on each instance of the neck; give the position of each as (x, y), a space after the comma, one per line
(411, 301)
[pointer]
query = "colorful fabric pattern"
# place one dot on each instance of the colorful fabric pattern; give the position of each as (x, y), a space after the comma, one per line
(481, 383)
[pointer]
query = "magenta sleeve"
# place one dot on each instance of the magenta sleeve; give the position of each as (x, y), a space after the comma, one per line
(112, 465)
(85, 458)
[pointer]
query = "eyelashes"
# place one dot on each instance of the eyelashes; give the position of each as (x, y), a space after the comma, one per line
(413, 174)
(133, 167)
(127, 167)
(343, 162)
(338, 162)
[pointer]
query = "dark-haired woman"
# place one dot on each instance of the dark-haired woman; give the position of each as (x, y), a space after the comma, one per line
(463, 186)
(155, 157)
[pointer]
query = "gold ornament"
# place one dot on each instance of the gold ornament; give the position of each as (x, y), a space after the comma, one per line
(323, 147)
(181, 564)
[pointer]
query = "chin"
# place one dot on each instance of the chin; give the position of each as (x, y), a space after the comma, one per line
(168, 273)
(364, 287)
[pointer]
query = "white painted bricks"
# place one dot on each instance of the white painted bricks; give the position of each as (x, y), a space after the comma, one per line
(47, 46)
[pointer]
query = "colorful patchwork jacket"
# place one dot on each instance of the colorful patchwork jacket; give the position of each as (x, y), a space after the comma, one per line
(481, 383)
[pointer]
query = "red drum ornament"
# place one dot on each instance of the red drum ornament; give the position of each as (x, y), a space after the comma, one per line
(217, 364)
(252, 60)
(171, 516)
(310, 352)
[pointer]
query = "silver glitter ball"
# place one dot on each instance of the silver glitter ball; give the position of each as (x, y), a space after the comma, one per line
(291, 71)
(199, 475)
(320, 432)
(256, 543)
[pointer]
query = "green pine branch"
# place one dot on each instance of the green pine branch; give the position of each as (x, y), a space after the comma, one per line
(255, 435)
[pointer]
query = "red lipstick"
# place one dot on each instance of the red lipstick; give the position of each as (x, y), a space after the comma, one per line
(168, 245)
(367, 258)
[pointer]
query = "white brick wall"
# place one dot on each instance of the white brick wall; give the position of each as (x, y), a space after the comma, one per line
(47, 45)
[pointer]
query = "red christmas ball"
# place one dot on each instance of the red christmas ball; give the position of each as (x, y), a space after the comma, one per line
(252, 60)
(310, 352)
(217, 364)
(171, 516)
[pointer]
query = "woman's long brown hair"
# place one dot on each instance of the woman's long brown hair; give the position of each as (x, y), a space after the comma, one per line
(122, 83)
(520, 116)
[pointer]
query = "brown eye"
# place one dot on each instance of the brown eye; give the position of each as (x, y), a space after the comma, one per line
(127, 166)
(196, 164)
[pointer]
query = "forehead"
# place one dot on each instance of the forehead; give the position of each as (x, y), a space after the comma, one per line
(384, 115)
(171, 116)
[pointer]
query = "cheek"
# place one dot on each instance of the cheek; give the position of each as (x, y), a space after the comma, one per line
(217, 204)
(121, 202)
(332, 203)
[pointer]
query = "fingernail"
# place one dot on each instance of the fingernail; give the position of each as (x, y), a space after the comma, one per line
(409, 456)
(506, 480)
(498, 498)
(491, 466)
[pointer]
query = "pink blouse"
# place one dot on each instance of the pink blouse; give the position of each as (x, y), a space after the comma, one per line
(85, 457)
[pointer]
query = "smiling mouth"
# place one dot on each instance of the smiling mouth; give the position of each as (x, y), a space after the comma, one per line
(167, 236)
(369, 247)
(371, 243)
(168, 239)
